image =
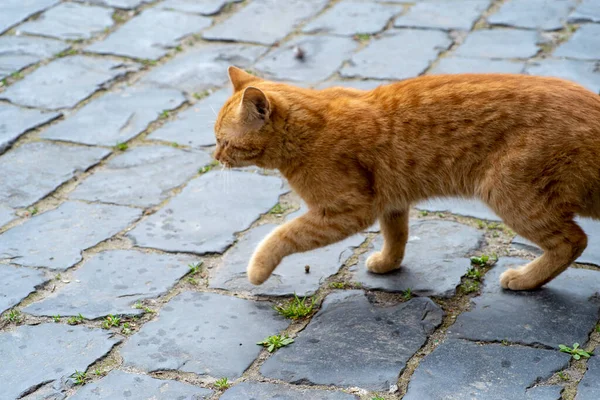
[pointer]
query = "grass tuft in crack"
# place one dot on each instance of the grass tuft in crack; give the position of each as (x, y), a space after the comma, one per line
(275, 342)
(76, 320)
(80, 377)
(222, 384)
(576, 352)
(110, 321)
(14, 316)
(296, 308)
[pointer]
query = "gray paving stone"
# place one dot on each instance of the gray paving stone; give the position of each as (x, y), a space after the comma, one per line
(111, 282)
(591, 255)
(116, 117)
(151, 34)
(465, 207)
(55, 239)
(443, 14)
(142, 176)
(6, 215)
(586, 11)
(15, 121)
(265, 21)
(586, 73)
(499, 43)
(46, 87)
(123, 4)
(123, 385)
(18, 52)
(589, 387)
(70, 21)
(204, 7)
(195, 125)
(289, 277)
(459, 65)
(458, 369)
(205, 215)
(51, 391)
(353, 16)
(416, 48)
(583, 45)
(220, 340)
(533, 14)
(437, 256)
(351, 342)
(36, 169)
(33, 355)
(564, 311)
(17, 283)
(204, 67)
(323, 56)
(13, 12)
(270, 391)
(361, 85)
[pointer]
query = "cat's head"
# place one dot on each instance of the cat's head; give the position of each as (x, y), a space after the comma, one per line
(244, 127)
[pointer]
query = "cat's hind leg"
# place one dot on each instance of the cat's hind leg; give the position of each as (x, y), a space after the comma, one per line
(394, 227)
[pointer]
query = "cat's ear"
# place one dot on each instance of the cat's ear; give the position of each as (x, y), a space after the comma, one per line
(255, 107)
(240, 78)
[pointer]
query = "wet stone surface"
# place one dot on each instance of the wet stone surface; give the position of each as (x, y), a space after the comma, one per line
(443, 14)
(44, 87)
(466, 370)
(40, 241)
(585, 73)
(499, 43)
(326, 351)
(205, 215)
(464, 207)
(417, 48)
(14, 121)
(533, 14)
(151, 34)
(123, 4)
(220, 340)
(33, 355)
(6, 215)
(583, 45)
(13, 12)
(589, 387)
(360, 85)
(34, 170)
(460, 65)
(116, 117)
(18, 52)
(437, 256)
(205, 7)
(564, 311)
(111, 282)
(17, 283)
(586, 11)
(269, 391)
(290, 276)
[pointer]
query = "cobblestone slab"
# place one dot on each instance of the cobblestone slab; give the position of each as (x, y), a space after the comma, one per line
(351, 342)
(437, 256)
(14, 121)
(141, 177)
(269, 391)
(111, 282)
(195, 125)
(361, 85)
(564, 311)
(13, 12)
(583, 45)
(123, 385)
(51, 391)
(417, 48)
(499, 43)
(265, 21)
(586, 11)
(591, 255)
(207, 213)
(65, 82)
(459, 65)
(70, 21)
(353, 16)
(459, 369)
(443, 14)
(585, 73)
(18, 52)
(204, 7)
(589, 387)
(151, 34)
(219, 341)
(533, 14)
(323, 55)
(464, 207)
(33, 355)
(123, 4)
(6, 215)
(34, 170)
(116, 117)
(55, 239)
(204, 67)
(290, 276)
(16, 284)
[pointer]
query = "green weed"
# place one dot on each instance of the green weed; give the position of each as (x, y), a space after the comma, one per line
(275, 342)
(576, 352)
(296, 308)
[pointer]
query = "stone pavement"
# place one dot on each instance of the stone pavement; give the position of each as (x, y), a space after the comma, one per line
(123, 250)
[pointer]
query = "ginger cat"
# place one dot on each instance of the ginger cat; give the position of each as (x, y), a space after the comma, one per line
(529, 147)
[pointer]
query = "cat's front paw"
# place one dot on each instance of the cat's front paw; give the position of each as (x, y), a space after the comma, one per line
(517, 279)
(378, 264)
(258, 269)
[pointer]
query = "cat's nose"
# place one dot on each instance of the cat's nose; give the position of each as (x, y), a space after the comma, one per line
(217, 153)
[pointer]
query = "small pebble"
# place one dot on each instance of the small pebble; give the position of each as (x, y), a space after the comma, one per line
(299, 53)
(307, 269)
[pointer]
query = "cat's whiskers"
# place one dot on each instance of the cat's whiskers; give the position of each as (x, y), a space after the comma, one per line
(213, 110)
